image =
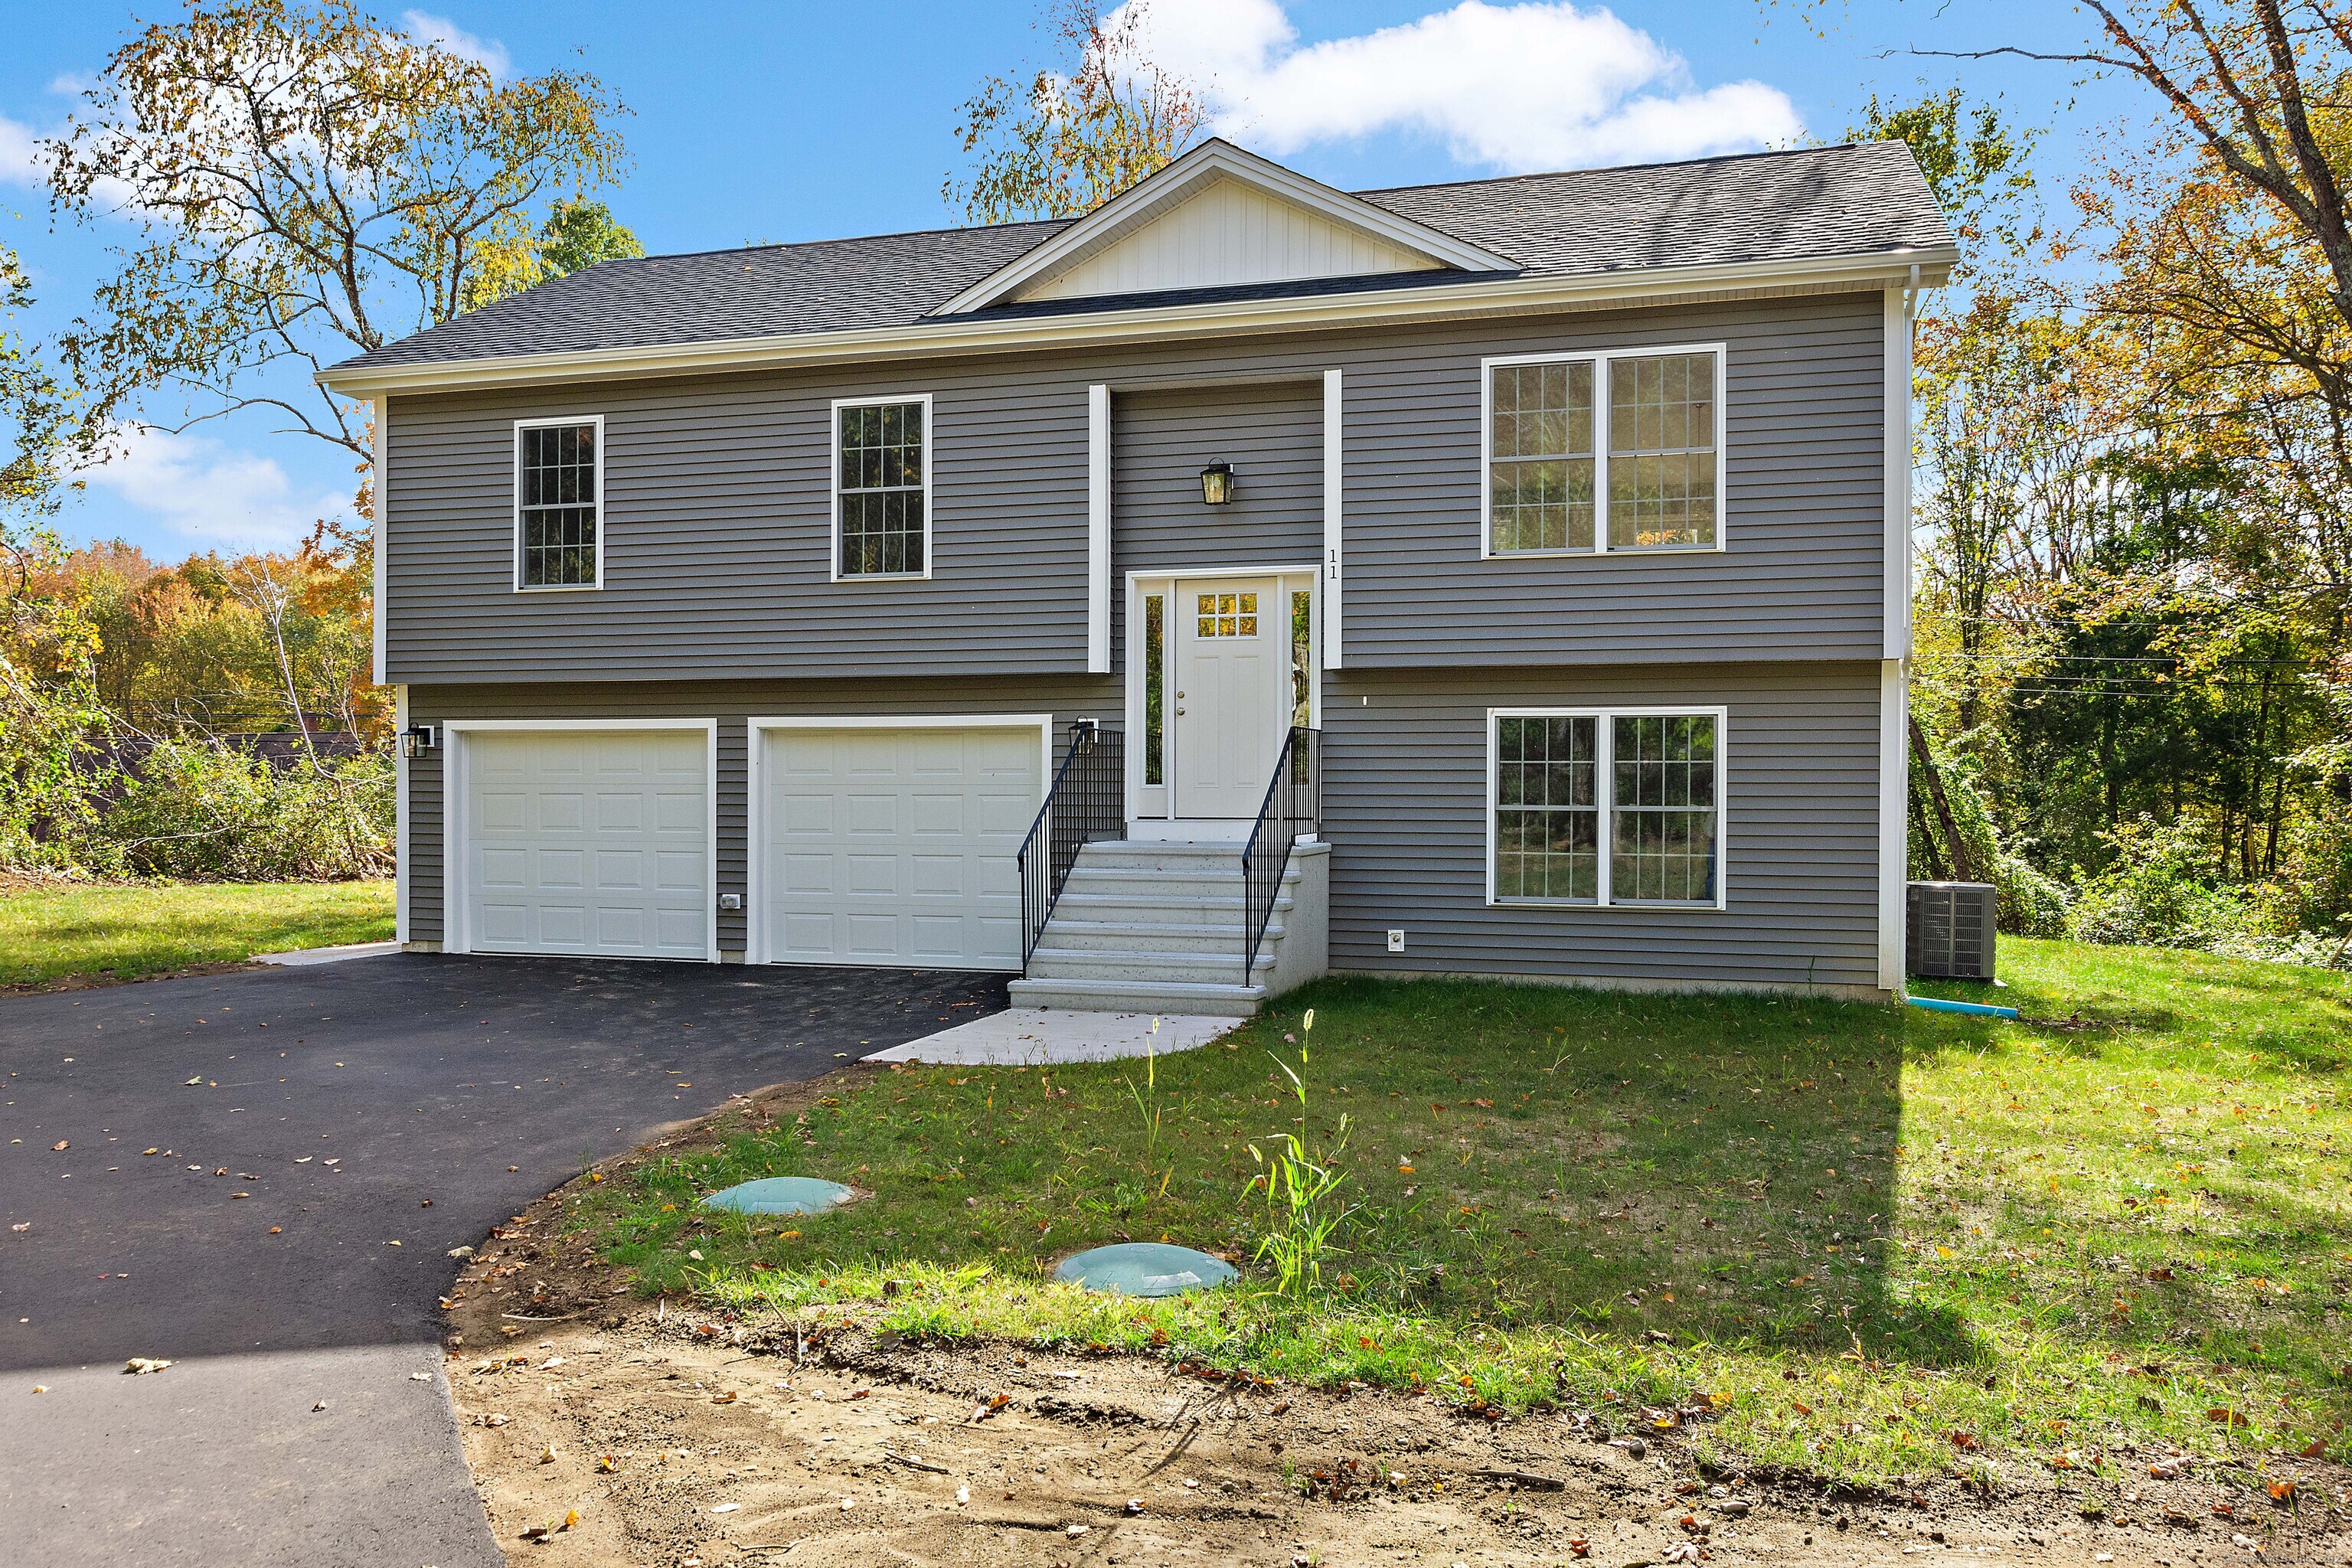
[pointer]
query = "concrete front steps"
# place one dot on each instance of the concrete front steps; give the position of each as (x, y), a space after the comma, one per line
(1147, 927)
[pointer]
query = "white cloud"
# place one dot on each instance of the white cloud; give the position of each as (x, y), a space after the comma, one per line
(208, 490)
(488, 52)
(20, 161)
(1538, 85)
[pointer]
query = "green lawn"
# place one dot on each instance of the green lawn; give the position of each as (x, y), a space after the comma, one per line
(1885, 1242)
(126, 931)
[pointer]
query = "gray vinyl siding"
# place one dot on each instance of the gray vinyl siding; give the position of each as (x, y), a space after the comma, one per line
(1404, 808)
(718, 510)
(729, 703)
(1272, 435)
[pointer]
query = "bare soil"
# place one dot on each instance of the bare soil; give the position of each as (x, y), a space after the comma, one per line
(603, 1430)
(99, 981)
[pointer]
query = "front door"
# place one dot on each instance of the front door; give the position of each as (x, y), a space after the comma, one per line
(1229, 694)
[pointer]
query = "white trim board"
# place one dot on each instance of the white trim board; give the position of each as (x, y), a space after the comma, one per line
(1602, 746)
(1896, 538)
(380, 532)
(1327, 609)
(833, 483)
(1601, 358)
(557, 422)
(755, 935)
(401, 764)
(933, 338)
(1893, 822)
(1099, 525)
(454, 935)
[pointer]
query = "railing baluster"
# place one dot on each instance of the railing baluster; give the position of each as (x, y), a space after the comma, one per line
(1088, 802)
(1293, 802)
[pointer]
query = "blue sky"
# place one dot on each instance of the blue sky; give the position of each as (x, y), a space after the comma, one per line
(798, 120)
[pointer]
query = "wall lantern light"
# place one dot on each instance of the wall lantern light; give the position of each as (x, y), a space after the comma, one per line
(1217, 483)
(416, 740)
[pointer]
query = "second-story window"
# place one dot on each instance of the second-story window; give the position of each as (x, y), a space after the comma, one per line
(558, 512)
(1604, 452)
(882, 489)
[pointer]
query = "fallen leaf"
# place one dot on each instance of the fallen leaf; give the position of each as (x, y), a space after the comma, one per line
(58, 1144)
(2282, 1490)
(141, 1364)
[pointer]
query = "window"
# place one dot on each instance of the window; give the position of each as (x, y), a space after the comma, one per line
(882, 489)
(1648, 478)
(1607, 808)
(1226, 614)
(559, 521)
(1155, 655)
(1302, 658)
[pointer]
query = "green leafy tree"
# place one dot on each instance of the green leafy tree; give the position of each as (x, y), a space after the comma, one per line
(578, 233)
(1064, 139)
(306, 184)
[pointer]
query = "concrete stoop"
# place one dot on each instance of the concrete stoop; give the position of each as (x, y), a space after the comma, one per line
(1146, 927)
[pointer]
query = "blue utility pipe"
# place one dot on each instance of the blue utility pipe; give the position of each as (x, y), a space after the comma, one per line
(1977, 1009)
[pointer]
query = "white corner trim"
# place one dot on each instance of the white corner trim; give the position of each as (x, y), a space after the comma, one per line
(832, 484)
(1896, 535)
(399, 801)
(1601, 361)
(454, 935)
(755, 729)
(1099, 529)
(933, 337)
(1893, 820)
(557, 421)
(380, 529)
(1214, 159)
(1604, 741)
(1333, 471)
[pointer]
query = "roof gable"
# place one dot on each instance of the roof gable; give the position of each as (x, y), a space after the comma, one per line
(1220, 218)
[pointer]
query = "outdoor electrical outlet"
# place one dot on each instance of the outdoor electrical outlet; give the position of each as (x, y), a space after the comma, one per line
(731, 900)
(1396, 942)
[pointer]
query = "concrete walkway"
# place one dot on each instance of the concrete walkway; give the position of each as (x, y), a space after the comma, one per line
(1047, 1037)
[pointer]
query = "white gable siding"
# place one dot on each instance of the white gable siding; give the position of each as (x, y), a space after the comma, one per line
(1227, 233)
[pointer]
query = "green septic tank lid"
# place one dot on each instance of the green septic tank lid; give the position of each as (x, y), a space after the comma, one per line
(781, 1194)
(1144, 1269)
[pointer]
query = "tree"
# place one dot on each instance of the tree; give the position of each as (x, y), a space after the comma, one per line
(307, 184)
(1975, 163)
(1067, 138)
(37, 424)
(578, 233)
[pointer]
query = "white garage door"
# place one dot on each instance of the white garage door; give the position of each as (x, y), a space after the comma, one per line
(894, 845)
(594, 842)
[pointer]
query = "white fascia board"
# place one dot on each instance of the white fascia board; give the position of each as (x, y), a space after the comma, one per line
(1099, 529)
(1148, 198)
(933, 339)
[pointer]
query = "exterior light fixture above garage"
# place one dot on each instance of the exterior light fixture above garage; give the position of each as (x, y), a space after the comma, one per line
(1217, 483)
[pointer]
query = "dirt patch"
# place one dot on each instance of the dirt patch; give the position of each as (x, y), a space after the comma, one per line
(96, 981)
(603, 1430)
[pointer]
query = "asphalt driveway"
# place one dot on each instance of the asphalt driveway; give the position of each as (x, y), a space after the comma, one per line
(321, 1137)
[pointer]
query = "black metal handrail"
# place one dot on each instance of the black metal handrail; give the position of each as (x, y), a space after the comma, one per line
(1087, 801)
(1293, 804)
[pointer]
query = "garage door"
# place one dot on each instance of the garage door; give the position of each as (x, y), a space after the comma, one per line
(594, 842)
(894, 845)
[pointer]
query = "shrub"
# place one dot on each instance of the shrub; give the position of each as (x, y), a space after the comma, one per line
(2155, 894)
(2031, 902)
(202, 811)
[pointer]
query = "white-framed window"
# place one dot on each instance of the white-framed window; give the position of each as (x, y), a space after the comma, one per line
(882, 487)
(1613, 450)
(1605, 806)
(559, 536)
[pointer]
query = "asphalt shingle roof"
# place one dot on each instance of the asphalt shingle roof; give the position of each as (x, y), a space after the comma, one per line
(1812, 203)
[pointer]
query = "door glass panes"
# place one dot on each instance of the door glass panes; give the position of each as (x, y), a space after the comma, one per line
(1661, 835)
(1227, 615)
(1547, 816)
(881, 490)
(1302, 658)
(559, 506)
(1662, 436)
(1539, 467)
(1155, 663)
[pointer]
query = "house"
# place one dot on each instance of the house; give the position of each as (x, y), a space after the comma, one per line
(1516, 569)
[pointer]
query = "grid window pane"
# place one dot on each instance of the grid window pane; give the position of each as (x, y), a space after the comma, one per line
(1662, 450)
(1662, 834)
(1155, 655)
(1539, 472)
(1547, 816)
(881, 483)
(559, 505)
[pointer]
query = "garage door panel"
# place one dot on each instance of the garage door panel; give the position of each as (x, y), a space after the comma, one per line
(907, 856)
(587, 842)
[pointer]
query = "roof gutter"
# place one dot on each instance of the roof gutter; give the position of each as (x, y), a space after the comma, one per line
(933, 338)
